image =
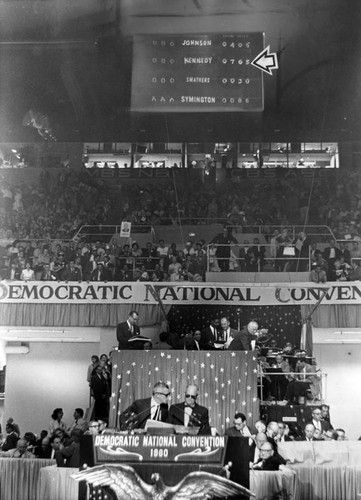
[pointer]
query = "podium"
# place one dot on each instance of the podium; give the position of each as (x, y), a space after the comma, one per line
(172, 456)
(227, 381)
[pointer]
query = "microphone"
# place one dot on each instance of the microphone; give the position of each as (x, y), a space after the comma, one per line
(195, 418)
(133, 420)
(226, 470)
(144, 414)
(127, 419)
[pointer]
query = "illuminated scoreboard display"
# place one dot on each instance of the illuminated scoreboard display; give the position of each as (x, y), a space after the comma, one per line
(193, 73)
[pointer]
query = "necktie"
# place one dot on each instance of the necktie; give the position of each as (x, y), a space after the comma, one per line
(187, 413)
(157, 413)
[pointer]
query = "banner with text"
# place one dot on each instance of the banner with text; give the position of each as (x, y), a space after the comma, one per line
(174, 294)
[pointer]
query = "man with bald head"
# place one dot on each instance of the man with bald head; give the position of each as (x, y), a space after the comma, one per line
(239, 340)
(248, 335)
(190, 413)
(268, 460)
(259, 439)
(20, 451)
(309, 433)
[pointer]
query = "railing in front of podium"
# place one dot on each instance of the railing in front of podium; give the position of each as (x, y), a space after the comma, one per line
(278, 381)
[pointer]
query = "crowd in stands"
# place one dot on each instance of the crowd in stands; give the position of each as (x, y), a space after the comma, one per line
(55, 260)
(58, 204)
(103, 262)
(40, 217)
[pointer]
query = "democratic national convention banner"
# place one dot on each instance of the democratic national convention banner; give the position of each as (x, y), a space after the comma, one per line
(12, 292)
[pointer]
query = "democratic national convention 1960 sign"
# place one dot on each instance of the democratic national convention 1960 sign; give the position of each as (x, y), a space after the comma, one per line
(12, 292)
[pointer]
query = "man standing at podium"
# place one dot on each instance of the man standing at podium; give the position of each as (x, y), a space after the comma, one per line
(127, 330)
(190, 413)
(154, 408)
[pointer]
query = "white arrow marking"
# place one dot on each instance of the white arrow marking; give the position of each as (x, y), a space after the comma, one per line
(266, 61)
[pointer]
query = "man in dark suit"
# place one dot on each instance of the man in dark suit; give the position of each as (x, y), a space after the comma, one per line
(13, 273)
(230, 336)
(223, 242)
(141, 410)
(11, 438)
(195, 341)
(318, 423)
(190, 413)
(127, 330)
(283, 431)
(268, 459)
(331, 254)
(241, 340)
(100, 273)
(345, 252)
(240, 427)
(308, 433)
(210, 335)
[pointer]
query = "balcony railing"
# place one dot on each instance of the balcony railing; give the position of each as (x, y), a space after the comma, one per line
(272, 386)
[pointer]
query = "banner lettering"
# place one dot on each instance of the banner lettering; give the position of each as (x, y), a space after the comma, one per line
(12, 292)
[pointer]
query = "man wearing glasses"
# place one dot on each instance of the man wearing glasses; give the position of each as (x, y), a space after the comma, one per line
(154, 408)
(268, 460)
(190, 413)
(240, 427)
(318, 423)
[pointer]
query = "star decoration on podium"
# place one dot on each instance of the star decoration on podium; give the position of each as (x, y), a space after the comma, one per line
(223, 378)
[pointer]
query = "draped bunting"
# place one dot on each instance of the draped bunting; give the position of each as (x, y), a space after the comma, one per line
(77, 314)
(334, 316)
(227, 381)
(110, 314)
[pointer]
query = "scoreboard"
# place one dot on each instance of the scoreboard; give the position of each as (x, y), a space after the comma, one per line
(195, 73)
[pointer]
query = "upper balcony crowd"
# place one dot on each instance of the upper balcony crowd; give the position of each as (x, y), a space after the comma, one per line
(39, 222)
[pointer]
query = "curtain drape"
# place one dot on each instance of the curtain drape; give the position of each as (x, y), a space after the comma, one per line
(227, 381)
(330, 316)
(77, 314)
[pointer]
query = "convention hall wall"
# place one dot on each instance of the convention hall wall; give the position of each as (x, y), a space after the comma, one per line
(52, 375)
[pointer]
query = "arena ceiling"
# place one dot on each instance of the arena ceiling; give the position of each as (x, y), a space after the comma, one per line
(68, 65)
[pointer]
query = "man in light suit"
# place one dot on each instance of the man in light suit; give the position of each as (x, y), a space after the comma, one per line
(153, 408)
(127, 330)
(190, 413)
(303, 379)
(230, 336)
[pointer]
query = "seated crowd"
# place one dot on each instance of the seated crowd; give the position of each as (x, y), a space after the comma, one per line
(57, 204)
(59, 442)
(54, 208)
(62, 442)
(99, 261)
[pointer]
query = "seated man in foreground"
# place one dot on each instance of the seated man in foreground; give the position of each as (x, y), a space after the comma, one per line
(153, 408)
(268, 459)
(190, 413)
